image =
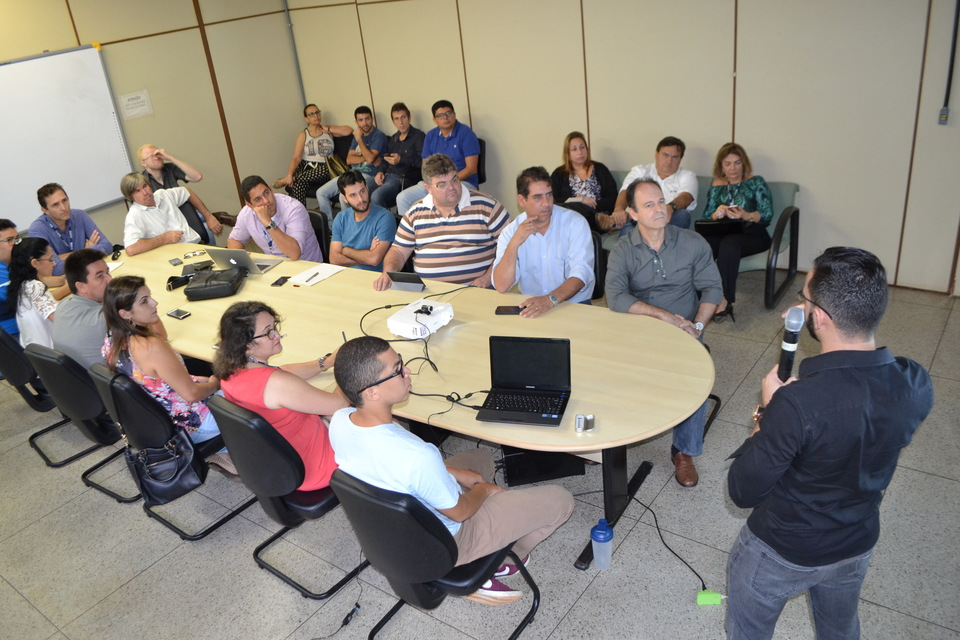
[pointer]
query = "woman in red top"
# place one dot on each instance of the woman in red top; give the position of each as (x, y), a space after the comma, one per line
(249, 336)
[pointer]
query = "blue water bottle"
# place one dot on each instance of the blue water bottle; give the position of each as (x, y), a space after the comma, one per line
(602, 537)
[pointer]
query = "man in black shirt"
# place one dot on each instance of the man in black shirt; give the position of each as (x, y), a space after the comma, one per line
(403, 159)
(823, 450)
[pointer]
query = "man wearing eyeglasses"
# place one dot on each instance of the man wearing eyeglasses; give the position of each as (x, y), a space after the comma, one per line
(163, 171)
(823, 451)
(8, 238)
(453, 230)
(481, 516)
(66, 229)
(277, 223)
(666, 272)
(453, 139)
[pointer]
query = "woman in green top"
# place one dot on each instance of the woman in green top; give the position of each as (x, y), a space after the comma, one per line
(736, 194)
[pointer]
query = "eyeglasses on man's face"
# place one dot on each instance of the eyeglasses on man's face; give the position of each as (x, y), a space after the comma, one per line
(803, 298)
(12, 240)
(398, 372)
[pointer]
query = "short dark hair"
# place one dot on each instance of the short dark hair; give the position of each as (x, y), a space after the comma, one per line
(851, 285)
(632, 190)
(358, 366)
(46, 191)
(75, 266)
(528, 176)
(362, 109)
(307, 107)
(440, 104)
(238, 325)
(671, 141)
(348, 178)
(7, 224)
(399, 106)
(248, 185)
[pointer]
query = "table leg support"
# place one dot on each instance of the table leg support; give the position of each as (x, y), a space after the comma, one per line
(617, 492)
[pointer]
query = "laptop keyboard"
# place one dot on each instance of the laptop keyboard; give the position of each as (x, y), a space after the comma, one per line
(523, 402)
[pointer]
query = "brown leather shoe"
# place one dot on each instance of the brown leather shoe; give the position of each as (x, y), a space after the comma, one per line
(686, 473)
(225, 218)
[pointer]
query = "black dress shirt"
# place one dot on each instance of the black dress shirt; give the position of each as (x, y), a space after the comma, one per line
(826, 450)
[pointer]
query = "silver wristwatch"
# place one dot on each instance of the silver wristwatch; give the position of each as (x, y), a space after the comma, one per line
(698, 326)
(272, 225)
(553, 299)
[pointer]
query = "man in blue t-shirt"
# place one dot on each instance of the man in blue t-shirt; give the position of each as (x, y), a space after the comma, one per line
(453, 139)
(362, 234)
(8, 238)
(366, 156)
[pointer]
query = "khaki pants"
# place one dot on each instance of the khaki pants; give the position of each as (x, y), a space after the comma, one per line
(525, 515)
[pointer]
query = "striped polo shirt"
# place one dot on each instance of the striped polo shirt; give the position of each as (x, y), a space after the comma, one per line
(458, 248)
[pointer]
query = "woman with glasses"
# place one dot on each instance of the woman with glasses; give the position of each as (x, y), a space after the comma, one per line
(133, 347)
(249, 337)
(583, 185)
(31, 260)
(736, 194)
(308, 166)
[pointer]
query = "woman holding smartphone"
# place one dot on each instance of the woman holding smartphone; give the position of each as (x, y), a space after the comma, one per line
(736, 194)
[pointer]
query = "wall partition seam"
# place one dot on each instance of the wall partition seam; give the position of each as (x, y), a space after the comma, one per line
(73, 23)
(216, 94)
(586, 87)
(733, 116)
(366, 64)
(913, 149)
(296, 58)
(463, 60)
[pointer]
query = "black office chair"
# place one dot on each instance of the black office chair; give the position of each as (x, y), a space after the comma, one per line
(19, 373)
(271, 468)
(482, 162)
(72, 390)
(147, 425)
(321, 228)
(414, 550)
(599, 266)
(716, 404)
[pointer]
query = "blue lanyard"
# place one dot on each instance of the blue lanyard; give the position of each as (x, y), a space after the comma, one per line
(69, 240)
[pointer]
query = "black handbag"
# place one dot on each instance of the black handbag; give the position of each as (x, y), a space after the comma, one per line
(714, 228)
(167, 473)
(207, 285)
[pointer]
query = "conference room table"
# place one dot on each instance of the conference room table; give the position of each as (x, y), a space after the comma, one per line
(637, 375)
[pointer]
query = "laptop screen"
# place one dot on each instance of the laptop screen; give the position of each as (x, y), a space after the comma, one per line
(530, 363)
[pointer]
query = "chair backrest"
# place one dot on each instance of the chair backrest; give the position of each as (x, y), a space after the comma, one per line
(321, 228)
(19, 372)
(73, 392)
(267, 463)
(599, 266)
(403, 539)
(145, 422)
(482, 162)
(341, 146)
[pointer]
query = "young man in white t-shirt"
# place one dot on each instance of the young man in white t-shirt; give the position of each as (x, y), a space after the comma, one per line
(481, 516)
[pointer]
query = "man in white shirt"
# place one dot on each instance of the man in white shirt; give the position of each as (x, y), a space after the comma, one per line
(154, 218)
(547, 249)
(481, 516)
(679, 188)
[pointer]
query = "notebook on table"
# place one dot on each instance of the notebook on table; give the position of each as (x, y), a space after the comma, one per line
(529, 381)
(230, 258)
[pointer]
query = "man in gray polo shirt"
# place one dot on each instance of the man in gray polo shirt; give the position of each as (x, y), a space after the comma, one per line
(80, 328)
(664, 271)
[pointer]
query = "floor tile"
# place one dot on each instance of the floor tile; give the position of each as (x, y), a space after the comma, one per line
(74, 557)
(916, 296)
(881, 622)
(935, 448)
(946, 362)
(21, 620)
(733, 359)
(912, 330)
(204, 589)
(915, 566)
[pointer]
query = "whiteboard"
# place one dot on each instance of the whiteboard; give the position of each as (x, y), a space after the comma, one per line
(58, 123)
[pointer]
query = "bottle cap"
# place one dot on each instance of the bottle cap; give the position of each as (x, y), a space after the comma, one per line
(602, 532)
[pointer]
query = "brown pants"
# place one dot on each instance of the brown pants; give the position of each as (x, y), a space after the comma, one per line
(525, 515)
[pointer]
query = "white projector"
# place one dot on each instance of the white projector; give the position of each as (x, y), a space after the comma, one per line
(419, 319)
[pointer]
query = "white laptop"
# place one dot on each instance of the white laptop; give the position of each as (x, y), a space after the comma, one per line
(230, 258)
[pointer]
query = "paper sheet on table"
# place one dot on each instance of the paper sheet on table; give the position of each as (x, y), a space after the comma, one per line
(113, 265)
(316, 274)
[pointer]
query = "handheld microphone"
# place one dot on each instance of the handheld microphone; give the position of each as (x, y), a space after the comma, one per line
(788, 348)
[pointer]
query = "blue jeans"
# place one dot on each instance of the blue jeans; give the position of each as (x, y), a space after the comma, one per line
(386, 194)
(409, 196)
(680, 218)
(688, 435)
(329, 191)
(760, 582)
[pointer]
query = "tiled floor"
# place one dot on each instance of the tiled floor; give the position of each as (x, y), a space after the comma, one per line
(75, 564)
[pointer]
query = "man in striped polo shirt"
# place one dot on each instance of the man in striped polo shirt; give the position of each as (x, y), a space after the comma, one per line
(452, 232)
